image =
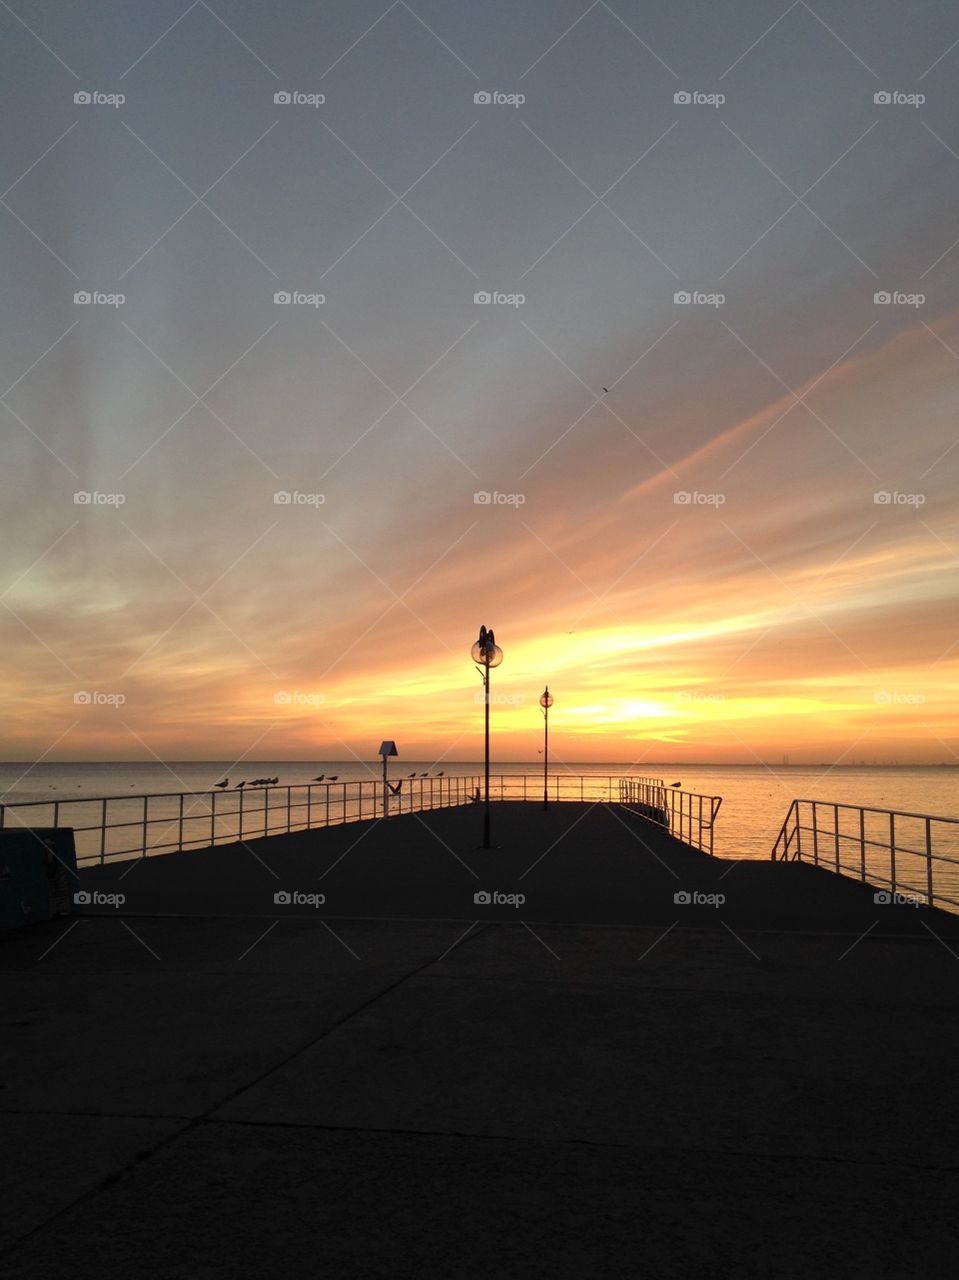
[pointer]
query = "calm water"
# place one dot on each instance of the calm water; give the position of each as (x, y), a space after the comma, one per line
(754, 799)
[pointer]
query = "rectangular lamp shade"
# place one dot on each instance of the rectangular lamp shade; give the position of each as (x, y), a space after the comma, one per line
(388, 748)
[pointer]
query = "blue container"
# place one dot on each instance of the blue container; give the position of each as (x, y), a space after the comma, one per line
(38, 874)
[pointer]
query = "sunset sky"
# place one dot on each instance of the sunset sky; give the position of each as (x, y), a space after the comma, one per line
(746, 548)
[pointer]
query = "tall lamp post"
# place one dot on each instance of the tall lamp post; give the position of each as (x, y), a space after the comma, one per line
(546, 701)
(487, 654)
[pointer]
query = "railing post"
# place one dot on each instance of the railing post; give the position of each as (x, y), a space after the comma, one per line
(266, 810)
(213, 819)
(103, 829)
(146, 802)
(241, 814)
(289, 791)
(180, 827)
(797, 805)
(327, 821)
(862, 845)
(815, 836)
(929, 860)
(835, 827)
(309, 805)
(892, 850)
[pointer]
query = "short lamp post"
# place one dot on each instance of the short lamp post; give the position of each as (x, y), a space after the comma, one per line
(387, 749)
(546, 701)
(487, 654)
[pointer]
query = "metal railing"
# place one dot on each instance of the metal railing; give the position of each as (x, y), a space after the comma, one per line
(686, 815)
(890, 847)
(109, 828)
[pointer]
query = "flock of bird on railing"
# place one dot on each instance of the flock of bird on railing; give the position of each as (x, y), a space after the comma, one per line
(273, 782)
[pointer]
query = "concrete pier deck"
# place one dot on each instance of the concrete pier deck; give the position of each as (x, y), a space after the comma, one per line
(595, 1081)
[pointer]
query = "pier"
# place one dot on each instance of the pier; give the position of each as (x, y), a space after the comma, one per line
(591, 1050)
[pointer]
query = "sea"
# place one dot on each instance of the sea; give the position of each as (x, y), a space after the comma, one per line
(755, 798)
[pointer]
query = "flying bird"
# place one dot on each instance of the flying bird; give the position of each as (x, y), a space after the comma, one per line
(223, 783)
(395, 790)
(606, 389)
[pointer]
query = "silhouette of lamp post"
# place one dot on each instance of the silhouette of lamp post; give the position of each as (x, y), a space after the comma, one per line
(546, 701)
(387, 749)
(487, 654)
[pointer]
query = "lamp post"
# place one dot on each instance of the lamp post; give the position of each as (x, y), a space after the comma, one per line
(546, 701)
(487, 654)
(387, 749)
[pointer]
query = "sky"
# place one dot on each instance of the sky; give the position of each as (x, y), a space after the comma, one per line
(629, 330)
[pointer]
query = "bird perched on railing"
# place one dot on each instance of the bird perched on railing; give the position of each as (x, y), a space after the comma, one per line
(333, 777)
(240, 785)
(675, 784)
(222, 784)
(320, 778)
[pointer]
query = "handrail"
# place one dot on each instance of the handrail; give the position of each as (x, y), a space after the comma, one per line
(830, 843)
(679, 812)
(170, 821)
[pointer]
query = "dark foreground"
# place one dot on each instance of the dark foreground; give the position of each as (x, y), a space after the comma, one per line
(596, 1082)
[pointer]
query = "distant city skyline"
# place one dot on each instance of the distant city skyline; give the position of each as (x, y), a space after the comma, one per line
(331, 335)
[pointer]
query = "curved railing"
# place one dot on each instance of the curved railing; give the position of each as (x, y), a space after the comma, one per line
(686, 815)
